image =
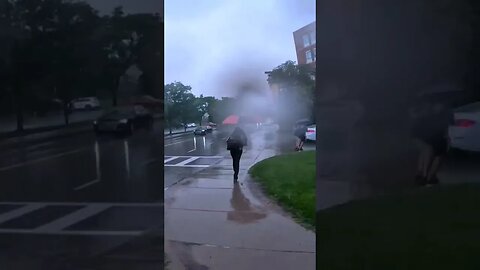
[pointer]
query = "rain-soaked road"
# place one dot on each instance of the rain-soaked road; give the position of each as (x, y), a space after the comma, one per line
(83, 202)
(187, 154)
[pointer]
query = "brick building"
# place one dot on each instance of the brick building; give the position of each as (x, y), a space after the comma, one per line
(305, 45)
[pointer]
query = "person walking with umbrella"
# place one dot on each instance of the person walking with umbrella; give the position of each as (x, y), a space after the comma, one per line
(235, 144)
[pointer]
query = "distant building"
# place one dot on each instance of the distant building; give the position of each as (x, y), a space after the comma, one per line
(305, 45)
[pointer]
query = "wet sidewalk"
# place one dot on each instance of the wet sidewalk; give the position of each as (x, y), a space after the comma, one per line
(212, 223)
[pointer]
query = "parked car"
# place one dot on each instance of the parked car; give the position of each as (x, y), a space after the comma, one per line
(86, 103)
(190, 125)
(124, 120)
(200, 131)
(208, 128)
(464, 134)
(311, 133)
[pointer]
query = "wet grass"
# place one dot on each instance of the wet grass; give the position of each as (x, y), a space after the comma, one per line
(434, 228)
(290, 180)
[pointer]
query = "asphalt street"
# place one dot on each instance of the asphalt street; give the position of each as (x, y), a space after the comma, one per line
(188, 154)
(78, 202)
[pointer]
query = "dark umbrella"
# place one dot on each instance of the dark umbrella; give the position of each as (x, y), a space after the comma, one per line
(304, 122)
(447, 94)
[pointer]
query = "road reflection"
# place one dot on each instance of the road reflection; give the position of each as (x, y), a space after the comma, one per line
(243, 211)
(127, 157)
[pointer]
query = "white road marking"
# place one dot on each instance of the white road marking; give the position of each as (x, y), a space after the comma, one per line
(20, 211)
(169, 159)
(87, 184)
(70, 219)
(192, 150)
(188, 166)
(84, 233)
(39, 160)
(188, 160)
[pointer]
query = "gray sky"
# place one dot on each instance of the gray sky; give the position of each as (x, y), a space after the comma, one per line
(129, 6)
(218, 47)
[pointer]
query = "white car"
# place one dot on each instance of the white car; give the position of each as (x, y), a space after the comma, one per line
(464, 134)
(191, 125)
(86, 103)
(311, 133)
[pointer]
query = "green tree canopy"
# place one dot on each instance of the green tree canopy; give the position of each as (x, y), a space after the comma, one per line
(180, 103)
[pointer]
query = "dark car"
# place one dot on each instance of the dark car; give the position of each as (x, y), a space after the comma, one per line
(124, 120)
(200, 131)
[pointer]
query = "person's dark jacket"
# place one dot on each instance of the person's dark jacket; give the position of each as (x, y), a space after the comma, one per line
(239, 136)
(300, 131)
(432, 126)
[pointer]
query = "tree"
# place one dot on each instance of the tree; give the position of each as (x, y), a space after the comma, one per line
(119, 47)
(203, 106)
(179, 104)
(23, 21)
(222, 108)
(50, 47)
(149, 57)
(70, 55)
(297, 86)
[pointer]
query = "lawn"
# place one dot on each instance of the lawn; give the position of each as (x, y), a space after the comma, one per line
(290, 180)
(431, 228)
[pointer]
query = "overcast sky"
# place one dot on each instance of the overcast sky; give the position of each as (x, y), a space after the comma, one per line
(218, 46)
(129, 6)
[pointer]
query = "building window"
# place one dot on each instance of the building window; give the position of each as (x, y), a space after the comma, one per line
(309, 56)
(306, 41)
(313, 38)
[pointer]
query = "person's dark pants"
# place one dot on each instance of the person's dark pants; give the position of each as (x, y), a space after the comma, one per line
(236, 155)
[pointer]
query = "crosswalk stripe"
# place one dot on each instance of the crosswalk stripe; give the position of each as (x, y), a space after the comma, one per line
(185, 162)
(20, 212)
(169, 159)
(70, 219)
(187, 166)
(188, 160)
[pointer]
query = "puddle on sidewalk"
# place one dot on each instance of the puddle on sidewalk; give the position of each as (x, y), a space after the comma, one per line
(243, 212)
(184, 253)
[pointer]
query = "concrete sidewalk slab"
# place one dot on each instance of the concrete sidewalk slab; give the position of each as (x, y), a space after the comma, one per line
(226, 223)
(247, 229)
(212, 223)
(220, 258)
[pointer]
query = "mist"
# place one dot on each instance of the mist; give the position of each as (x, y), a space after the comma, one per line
(224, 48)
